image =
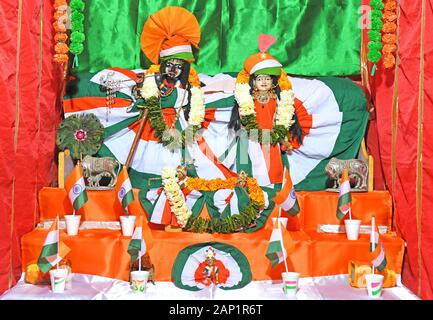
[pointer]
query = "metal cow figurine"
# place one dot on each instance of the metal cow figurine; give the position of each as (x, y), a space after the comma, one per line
(94, 169)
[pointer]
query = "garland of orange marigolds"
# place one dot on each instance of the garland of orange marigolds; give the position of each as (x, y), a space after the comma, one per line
(60, 38)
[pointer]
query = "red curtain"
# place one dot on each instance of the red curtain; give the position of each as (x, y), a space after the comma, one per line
(30, 114)
(407, 159)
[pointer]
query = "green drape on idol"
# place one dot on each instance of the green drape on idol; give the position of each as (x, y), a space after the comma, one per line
(315, 37)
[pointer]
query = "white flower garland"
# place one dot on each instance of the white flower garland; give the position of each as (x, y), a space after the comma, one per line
(149, 88)
(197, 111)
(285, 105)
(174, 195)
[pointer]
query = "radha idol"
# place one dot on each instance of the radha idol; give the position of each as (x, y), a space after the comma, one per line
(266, 113)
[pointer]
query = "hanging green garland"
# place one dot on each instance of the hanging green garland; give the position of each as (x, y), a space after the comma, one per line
(375, 44)
(77, 26)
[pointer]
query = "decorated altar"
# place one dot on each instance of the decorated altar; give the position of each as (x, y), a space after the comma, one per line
(209, 168)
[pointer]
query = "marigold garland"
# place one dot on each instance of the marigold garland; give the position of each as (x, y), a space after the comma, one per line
(60, 18)
(389, 37)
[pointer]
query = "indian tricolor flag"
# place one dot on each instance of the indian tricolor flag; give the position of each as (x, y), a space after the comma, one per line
(276, 251)
(124, 189)
(378, 257)
(75, 188)
(344, 197)
(137, 246)
(53, 250)
(286, 198)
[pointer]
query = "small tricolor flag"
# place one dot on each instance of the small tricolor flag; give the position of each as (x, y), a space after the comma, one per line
(76, 188)
(286, 197)
(124, 189)
(140, 241)
(344, 197)
(276, 251)
(53, 250)
(378, 257)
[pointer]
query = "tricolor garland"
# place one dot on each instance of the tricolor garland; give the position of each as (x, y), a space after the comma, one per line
(77, 27)
(234, 223)
(60, 38)
(150, 93)
(383, 33)
(284, 113)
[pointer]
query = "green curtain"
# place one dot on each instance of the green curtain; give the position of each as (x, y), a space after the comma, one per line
(315, 37)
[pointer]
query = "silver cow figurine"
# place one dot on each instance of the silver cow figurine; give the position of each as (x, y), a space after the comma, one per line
(94, 169)
(358, 172)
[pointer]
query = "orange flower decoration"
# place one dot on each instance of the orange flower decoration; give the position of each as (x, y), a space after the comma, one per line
(389, 38)
(283, 81)
(389, 16)
(389, 27)
(390, 6)
(388, 60)
(60, 37)
(59, 27)
(243, 77)
(58, 3)
(61, 48)
(389, 48)
(61, 58)
(193, 78)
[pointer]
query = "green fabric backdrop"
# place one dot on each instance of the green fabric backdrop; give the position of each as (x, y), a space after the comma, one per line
(315, 37)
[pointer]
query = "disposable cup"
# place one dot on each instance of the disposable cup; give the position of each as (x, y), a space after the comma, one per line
(374, 285)
(58, 280)
(290, 283)
(139, 281)
(72, 224)
(127, 223)
(352, 228)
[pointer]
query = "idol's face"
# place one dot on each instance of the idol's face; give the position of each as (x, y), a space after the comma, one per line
(263, 82)
(174, 67)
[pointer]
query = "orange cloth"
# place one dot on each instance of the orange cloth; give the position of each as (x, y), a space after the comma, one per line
(265, 118)
(102, 205)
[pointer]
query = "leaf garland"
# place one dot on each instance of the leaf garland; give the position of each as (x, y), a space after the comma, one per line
(77, 26)
(82, 134)
(375, 45)
(277, 134)
(172, 139)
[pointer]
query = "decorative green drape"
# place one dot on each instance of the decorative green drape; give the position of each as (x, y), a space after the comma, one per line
(315, 37)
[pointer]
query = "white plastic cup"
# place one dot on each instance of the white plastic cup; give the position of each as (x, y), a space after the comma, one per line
(58, 280)
(290, 283)
(139, 281)
(352, 228)
(283, 221)
(72, 224)
(374, 285)
(127, 223)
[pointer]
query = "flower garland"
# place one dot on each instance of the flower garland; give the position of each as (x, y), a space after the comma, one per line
(175, 196)
(60, 38)
(235, 223)
(284, 113)
(389, 37)
(77, 26)
(375, 45)
(150, 93)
